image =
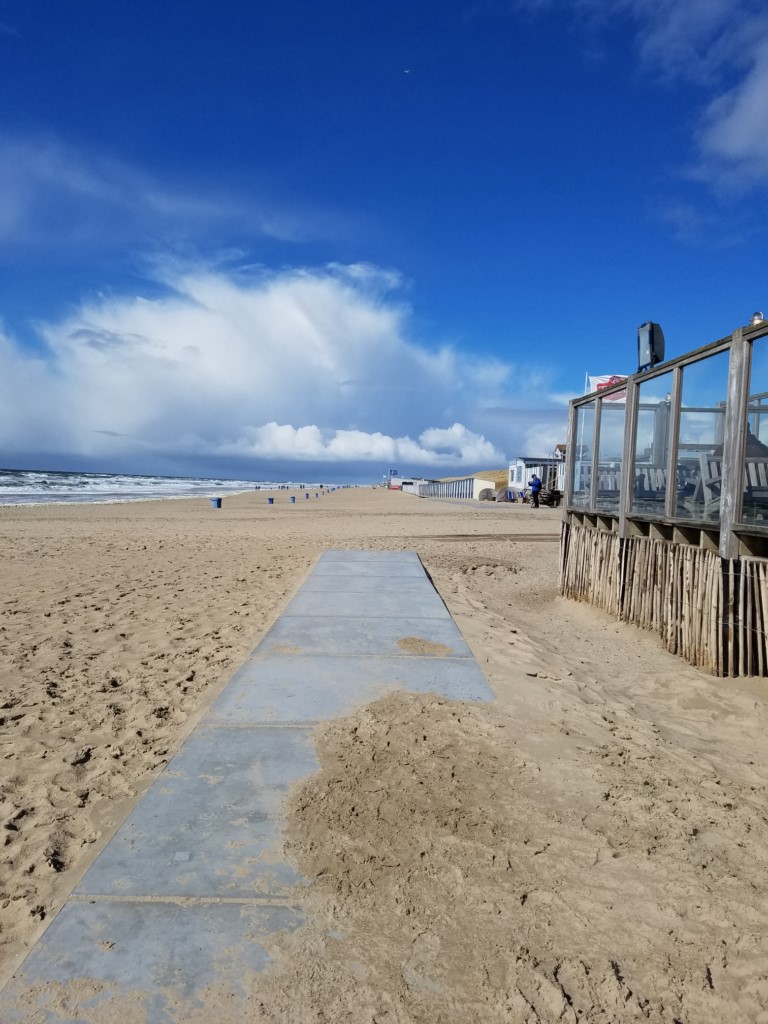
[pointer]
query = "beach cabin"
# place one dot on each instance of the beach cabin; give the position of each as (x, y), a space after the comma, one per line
(411, 485)
(456, 487)
(550, 470)
(666, 502)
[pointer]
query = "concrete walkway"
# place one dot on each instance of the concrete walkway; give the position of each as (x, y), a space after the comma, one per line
(178, 898)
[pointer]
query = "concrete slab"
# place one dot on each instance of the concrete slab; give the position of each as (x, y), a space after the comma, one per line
(210, 825)
(405, 570)
(179, 902)
(379, 605)
(315, 634)
(392, 559)
(364, 583)
(127, 961)
(296, 689)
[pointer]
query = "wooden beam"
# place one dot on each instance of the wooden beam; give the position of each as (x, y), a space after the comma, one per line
(628, 456)
(673, 438)
(733, 444)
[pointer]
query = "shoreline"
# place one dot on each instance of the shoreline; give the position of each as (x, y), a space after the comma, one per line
(172, 497)
(38, 487)
(118, 501)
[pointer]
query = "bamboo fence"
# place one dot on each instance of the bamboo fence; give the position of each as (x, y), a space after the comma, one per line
(590, 567)
(713, 612)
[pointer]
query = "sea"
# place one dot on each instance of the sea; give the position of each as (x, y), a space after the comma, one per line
(36, 487)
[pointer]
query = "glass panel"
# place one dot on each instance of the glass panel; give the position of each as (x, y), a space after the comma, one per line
(700, 444)
(582, 461)
(755, 504)
(610, 450)
(652, 446)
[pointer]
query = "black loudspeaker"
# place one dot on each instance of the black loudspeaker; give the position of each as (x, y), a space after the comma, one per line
(650, 346)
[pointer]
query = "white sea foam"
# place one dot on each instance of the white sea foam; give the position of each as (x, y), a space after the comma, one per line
(35, 487)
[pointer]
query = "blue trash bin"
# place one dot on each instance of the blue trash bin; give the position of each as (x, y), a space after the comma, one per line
(270, 501)
(215, 502)
(293, 499)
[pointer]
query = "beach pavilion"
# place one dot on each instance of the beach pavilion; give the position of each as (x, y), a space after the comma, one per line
(666, 502)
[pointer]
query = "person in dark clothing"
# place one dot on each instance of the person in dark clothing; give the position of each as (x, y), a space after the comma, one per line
(535, 484)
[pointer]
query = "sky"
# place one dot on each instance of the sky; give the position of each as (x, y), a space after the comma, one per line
(262, 240)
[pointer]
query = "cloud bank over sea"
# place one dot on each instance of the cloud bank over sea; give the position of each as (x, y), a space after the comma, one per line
(296, 366)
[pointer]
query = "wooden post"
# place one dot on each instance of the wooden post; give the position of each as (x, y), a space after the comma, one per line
(628, 455)
(733, 444)
(595, 475)
(673, 434)
(570, 460)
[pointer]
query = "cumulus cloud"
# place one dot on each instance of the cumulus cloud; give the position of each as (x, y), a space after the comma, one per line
(458, 440)
(451, 447)
(297, 366)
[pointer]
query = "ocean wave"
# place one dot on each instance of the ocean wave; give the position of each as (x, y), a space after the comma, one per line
(31, 487)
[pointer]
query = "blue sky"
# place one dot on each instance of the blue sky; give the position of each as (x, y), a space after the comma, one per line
(248, 239)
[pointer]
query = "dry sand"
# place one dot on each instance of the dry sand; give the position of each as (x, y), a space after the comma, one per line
(592, 847)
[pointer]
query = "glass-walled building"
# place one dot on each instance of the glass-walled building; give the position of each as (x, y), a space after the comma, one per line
(677, 434)
(672, 462)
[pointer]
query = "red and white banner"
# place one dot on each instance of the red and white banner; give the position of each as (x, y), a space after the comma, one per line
(606, 381)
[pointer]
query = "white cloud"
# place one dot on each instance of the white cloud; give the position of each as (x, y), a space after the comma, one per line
(734, 133)
(53, 194)
(302, 365)
(458, 440)
(721, 46)
(686, 37)
(540, 437)
(435, 447)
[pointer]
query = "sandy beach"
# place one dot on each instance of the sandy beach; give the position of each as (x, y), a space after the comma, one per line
(591, 847)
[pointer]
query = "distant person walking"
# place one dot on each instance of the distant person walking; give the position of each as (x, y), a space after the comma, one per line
(535, 484)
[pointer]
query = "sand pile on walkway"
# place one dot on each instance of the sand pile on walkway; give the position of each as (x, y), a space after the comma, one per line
(594, 845)
(457, 878)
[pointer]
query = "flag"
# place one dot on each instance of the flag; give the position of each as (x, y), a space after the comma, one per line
(606, 381)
